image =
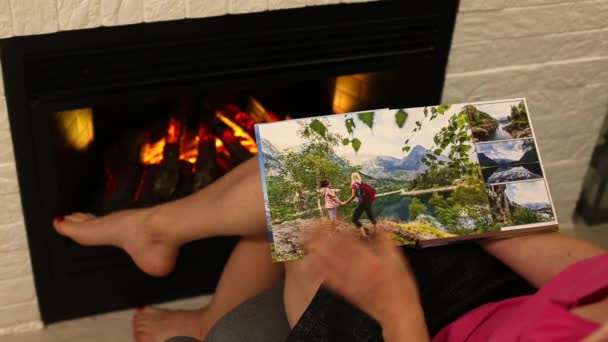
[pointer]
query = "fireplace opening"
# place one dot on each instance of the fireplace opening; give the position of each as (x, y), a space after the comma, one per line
(127, 117)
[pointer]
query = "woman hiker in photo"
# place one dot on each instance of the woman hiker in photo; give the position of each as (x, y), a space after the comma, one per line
(361, 193)
(331, 200)
(542, 287)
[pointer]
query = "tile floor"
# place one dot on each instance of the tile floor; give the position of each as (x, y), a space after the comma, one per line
(116, 327)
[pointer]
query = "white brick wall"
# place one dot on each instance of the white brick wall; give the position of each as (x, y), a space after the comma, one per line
(554, 52)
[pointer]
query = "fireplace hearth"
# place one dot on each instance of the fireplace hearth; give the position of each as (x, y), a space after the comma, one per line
(127, 117)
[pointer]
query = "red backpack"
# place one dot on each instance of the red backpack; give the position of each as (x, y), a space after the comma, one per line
(368, 193)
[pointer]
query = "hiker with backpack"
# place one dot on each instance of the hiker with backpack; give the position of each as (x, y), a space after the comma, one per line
(365, 195)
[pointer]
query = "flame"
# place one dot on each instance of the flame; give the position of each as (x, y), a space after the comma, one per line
(244, 138)
(258, 112)
(188, 147)
(174, 131)
(223, 155)
(152, 153)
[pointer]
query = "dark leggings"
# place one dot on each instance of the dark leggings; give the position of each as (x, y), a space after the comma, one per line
(452, 280)
(363, 206)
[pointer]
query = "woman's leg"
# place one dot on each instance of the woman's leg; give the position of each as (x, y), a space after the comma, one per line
(370, 213)
(248, 272)
(299, 290)
(356, 216)
(233, 205)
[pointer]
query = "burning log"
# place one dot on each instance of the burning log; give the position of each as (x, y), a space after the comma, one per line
(207, 169)
(167, 173)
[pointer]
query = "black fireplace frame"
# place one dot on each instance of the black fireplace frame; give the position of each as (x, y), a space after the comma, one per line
(75, 69)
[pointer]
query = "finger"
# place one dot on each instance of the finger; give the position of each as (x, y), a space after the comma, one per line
(342, 254)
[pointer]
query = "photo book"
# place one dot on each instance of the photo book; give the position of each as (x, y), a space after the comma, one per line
(427, 176)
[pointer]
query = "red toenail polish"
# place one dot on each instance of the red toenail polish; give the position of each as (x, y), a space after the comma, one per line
(59, 219)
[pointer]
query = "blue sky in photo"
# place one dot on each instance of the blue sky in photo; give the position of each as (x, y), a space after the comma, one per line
(499, 110)
(385, 139)
(502, 150)
(528, 192)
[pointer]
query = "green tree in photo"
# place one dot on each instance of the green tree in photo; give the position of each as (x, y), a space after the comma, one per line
(296, 193)
(280, 194)
(522, 215)
(417, 208)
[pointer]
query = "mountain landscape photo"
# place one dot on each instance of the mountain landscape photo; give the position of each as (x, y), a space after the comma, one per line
(507, 161)
(520, 203)
(421, 162)
(499, 121)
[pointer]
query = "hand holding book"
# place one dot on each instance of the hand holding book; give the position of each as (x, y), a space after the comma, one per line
(372, 275)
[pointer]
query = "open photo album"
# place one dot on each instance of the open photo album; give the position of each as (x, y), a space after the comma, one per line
(427, 176)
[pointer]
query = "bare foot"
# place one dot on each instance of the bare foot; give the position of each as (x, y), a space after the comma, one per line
(131, 230)
(158, 325)
(362, 231)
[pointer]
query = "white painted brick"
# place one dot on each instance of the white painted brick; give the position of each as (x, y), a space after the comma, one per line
(8, 179)
(594, 100)
(11, 209)
(205, 8)
(13, 237)
(579, 146)
(477, 5)
(17, 290)
(78, 14)
(283, 4)
(524, 3)
(246, 6)
(527, 21)
(14, 318)
(518, 81)
(321, 2)
(161, 10)
(6, 20)
(564, 171)
(4, 125)
(565, 195)
(34, 17)
(15, 264)
(121, 12)
(528, 50)
(6, 148)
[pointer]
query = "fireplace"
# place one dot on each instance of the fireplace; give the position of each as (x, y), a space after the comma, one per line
(125, 117)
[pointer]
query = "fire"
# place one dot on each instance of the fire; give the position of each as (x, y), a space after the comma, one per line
(244, 138)
(174, 131)
(152, 153)
(188, 147)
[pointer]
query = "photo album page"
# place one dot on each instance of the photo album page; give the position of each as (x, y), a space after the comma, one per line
(426, 176)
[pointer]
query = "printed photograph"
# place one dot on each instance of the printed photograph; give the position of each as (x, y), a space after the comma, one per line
(508, 161)
(413, 173)
(499, 121)
(520, 203)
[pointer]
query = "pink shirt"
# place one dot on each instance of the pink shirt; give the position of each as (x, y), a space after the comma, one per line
(543, 316)
(331, 200)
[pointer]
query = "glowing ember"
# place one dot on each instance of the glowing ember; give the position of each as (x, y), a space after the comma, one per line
(259, 113)
(223, 155)
(174, 131)
(188, 147)
(244, 138)
(152, 153)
